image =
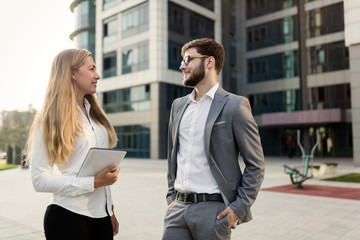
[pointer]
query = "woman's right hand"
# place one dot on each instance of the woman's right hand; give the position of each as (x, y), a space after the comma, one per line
(107, 176)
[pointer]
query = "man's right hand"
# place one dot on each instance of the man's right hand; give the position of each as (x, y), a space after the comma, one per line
(107, 176)
(170, 205)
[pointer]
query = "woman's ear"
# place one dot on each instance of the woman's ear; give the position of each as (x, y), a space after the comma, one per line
(73, 76)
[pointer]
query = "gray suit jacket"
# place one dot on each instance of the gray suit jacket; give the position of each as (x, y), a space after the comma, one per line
(230, 129)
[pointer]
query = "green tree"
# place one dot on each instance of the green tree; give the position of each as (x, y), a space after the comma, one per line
(14, 128)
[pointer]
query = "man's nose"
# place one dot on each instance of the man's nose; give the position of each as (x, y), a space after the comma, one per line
(182, 66)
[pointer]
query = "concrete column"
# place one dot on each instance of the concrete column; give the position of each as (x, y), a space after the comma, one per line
(352, 40)
(303, 68)
(158, 62)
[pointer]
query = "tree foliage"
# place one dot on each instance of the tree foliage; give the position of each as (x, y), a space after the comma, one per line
(14, 127)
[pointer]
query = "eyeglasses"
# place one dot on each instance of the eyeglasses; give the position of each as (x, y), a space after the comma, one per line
(188, 58)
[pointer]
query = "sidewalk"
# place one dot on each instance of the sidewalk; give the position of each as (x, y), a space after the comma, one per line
(139, 199)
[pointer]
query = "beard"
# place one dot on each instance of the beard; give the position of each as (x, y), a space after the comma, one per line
(195, 77)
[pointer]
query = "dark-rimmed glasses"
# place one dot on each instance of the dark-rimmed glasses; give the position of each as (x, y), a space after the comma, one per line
(188, 58)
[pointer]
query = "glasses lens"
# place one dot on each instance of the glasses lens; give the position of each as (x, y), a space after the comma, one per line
(187, 60)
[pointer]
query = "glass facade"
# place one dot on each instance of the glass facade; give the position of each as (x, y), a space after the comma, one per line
(135, 20)
(86, 40)
(128, 99)
(271, 67)
(109, 64)
(185, 25)
(110, 30)
(328, 57)
(256, 8)
(135, 139)
(135, 58)
(84, 34)
(329, 19)
(85, 14)
(272, 33)
(336, 96)
(175, 91)
(284, 101)
(200, 26)
(174, 55)
(109, 4)
(335, 139)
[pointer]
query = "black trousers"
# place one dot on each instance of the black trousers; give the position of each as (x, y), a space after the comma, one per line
(60, 223)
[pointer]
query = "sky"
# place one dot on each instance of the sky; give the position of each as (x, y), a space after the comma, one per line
(32, 34)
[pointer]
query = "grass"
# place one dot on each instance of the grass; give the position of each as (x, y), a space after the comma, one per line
(5, 166)
(351, 177)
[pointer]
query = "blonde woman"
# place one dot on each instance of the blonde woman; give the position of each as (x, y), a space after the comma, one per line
(68, 125)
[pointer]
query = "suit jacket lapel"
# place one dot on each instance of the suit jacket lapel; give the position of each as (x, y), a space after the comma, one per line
(220, 98)
(180, 109)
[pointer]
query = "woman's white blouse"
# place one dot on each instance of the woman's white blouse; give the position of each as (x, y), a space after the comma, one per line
(76, 194)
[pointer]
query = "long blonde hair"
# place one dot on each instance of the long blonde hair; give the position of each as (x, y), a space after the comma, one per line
(59, 116)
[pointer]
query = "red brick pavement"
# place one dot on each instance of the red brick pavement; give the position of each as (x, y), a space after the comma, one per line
(318, 190)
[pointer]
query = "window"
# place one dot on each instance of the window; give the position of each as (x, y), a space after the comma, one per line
(284, 101)
(84, 14)
(256, 8)
(272, 33)
(174, 55)
(135, 139)
(177, 18)
(272, 67)
(321, 94)
(256, 35)
(135, 58)
(320, 54)
(135, 20)
(326, 20)
(174, 91)
(329, 57)
(127, 100)
(109, 64)
(110, 29)
(109, 4)
(176, 15)
(201, 26)
(257, 67)
(335, 96)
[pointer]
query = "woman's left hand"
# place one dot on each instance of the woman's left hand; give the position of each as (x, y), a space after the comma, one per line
(115, 224)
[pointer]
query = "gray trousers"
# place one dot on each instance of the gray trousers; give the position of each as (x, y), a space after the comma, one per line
(196, 221)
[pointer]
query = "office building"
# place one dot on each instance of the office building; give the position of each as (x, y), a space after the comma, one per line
(291, 59)
(84, 32)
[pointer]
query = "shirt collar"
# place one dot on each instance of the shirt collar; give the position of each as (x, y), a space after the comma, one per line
(86, 104)
(210, 93)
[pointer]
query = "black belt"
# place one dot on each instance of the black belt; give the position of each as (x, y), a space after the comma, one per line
(198, 197)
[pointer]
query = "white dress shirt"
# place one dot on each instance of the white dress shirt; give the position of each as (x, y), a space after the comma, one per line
(70, 192)
(193, 170)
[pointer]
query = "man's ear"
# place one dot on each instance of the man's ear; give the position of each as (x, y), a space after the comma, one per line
(211, 62)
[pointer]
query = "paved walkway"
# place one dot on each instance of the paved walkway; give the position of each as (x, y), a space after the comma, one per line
(139, 198)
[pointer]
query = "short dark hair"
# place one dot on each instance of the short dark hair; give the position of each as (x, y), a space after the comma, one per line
(207, 46)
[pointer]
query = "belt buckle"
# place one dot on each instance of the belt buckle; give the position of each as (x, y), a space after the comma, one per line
(190, 194)
(185, 197)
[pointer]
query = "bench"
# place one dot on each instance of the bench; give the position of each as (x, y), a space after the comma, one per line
(327, 168)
